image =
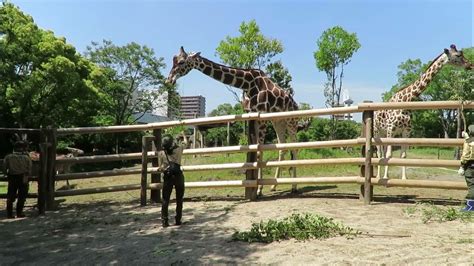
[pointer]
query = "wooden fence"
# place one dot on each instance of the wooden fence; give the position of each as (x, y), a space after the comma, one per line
(151, 144)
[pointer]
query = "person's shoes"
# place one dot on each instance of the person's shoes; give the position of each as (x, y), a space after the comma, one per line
(10, 216)
(469, 206)
(165, 224)
(178, 223)
(20, 215)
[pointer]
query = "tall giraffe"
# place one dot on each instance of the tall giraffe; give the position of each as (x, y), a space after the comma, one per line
(261, 94)
(389, 123)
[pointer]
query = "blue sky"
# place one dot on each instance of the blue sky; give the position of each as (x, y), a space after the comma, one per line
(389, 31)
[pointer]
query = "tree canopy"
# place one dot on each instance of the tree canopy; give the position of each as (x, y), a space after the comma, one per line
(249, 50)
(43, 77)
(335, 49)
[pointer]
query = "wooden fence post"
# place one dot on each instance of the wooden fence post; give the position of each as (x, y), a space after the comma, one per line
(155, 194)
(42, 176)
(144, 175)
(51, 167)
(366, 170)
(251, 174)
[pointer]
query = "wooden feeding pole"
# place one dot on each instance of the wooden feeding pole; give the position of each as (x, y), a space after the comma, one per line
(155, 194)
(145, 147)
(42, 176)
(251, 174)
(51, 167)
(366, 170)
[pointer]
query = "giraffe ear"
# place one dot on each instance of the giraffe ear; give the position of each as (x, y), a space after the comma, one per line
(446, 51)
(181, 51)
(195, 54)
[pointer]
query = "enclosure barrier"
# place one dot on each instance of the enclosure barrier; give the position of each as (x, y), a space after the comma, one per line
(366, 179)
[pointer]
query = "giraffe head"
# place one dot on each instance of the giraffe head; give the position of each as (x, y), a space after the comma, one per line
(182, 64)
(457, 58)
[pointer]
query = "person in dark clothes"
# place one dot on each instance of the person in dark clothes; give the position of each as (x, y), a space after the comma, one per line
(17, 167)
(169, 160)
(467, 167)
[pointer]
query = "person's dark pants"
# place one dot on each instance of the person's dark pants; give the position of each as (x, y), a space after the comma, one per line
(469, 175)
(168, 183)
(16, 187)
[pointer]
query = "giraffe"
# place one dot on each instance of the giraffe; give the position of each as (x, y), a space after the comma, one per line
(260, 94)
(389, 123)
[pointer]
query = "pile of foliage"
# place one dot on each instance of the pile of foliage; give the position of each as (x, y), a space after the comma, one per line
(297, 226)
(431, 213)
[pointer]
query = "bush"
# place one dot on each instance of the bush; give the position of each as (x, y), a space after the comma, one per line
(298, 226)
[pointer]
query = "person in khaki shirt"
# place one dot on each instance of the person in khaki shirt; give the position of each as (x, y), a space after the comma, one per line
(169, 163)
(17, 167)
(467, 167)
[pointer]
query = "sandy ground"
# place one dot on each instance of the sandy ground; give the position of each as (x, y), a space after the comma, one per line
(109, 232)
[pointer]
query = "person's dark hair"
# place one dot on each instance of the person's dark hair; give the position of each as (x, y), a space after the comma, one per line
(19, 145)
(167, 143)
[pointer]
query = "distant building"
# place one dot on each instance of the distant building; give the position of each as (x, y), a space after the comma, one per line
(347, 101)
(193, 106)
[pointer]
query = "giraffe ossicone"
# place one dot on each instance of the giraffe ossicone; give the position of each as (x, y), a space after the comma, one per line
(261, 94)
(390, 123)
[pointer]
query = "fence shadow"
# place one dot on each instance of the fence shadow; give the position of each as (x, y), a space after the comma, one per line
(119, 232)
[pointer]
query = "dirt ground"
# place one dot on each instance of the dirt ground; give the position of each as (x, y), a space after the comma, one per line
(122, 232)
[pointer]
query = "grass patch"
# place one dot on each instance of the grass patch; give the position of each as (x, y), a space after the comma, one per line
(432, 213)
(3, 188)
(465, 241)
(297, 226)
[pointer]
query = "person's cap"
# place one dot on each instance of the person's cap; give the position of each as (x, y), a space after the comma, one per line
(20, 144)
(470, 129)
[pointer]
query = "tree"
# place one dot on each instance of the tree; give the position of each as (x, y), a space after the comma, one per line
(280, 75)
(249, 50)
(408, 72)
(335, 49)
(219, 134)
(42, 77)
(134, 79)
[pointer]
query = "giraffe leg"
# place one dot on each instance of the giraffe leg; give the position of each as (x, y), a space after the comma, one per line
(281, 157)
(261, 127)
(403, 154)
(388, 155)
(280, 130)
(380, 155)
(294, 188)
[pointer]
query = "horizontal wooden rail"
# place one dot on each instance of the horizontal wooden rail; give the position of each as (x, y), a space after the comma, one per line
(433, 142)
(419, 183)
(86, 191)
(31, 178)
(270, 116)
(435, 105)
(29, 196)
(280, 181)
(95, 174)
(417, 162)
(104, 158)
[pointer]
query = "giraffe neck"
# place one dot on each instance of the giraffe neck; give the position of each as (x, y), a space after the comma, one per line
(415, 89)
(238, 78)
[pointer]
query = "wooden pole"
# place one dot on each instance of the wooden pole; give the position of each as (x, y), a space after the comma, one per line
(366, 171)
(155, 195)
(51, 171)
(42, 178)
(251, 174)
(144, 174)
